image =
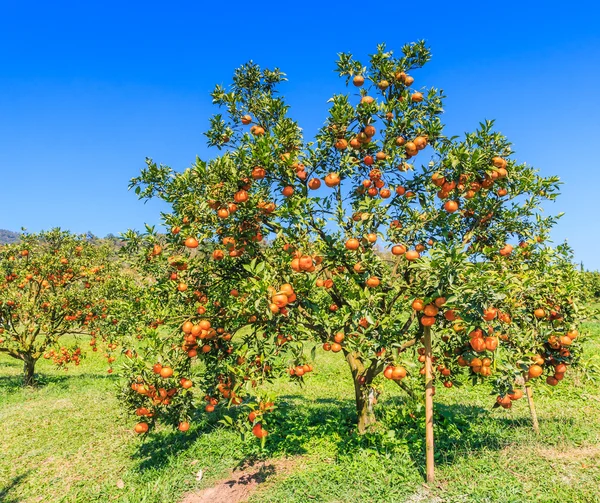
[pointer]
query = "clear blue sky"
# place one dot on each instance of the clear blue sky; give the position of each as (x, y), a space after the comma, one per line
(89, 89)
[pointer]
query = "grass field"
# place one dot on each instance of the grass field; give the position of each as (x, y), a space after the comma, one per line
(68, 441)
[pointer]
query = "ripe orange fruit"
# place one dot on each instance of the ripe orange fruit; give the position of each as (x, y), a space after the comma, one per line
(398, 373)
(565, 340)
(489, 314)
(241, 196)
(352, 244)
(141, 428)
(388, 372)
(491, 343)
(191, 242)
(430, 310)
(416, 97)
(358, 80)
(420, 142)
(314, 183)
(341, 144)
(427, 321)
(258, 173)
(184, 426)
(373, 282)
(507, 250)
(398, 250)
(503, 400)
(485, 371)
(561, 368)
(438, 179)
(246, 119)
(166, 372)
(535, 371)
(450, 315)
(370, 131)
(412, 255)
(499, 162)
(451, 206)
(516, 394)
(280, 300)
(418, 305)
(538, 359)
(332, 179)
(288, 191)
(478, 344)
(258, 431)
(539, 313)
(336, 347)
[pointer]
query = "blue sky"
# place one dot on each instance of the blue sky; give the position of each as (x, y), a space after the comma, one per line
(89, 89)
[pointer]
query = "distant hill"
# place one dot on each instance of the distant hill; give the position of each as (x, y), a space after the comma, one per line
(7, 237)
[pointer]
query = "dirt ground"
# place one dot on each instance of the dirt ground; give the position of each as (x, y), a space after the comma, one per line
(238, 487)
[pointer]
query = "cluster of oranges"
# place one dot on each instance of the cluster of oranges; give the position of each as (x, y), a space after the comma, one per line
(257, 429)
(202, 331)
(429, 311)
(300, 370)
(281, 298)
(336, 345)
(64, 356)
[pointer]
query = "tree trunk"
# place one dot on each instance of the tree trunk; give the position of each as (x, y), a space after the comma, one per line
(429, 445)
(365, 396)
(28, 369)
(365, 400)
(534, 419)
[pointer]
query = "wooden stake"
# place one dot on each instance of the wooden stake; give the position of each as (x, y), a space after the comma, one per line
(429, 462)
(534, 419)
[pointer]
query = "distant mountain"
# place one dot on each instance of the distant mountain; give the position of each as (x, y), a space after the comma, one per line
(7, 237)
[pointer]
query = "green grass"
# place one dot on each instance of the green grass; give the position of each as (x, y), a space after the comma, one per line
(68, 441)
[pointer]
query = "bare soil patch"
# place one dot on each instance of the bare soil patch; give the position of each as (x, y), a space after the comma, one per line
(242, 482)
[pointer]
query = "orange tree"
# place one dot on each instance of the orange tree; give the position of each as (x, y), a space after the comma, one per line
(55, 284)
(349, 241)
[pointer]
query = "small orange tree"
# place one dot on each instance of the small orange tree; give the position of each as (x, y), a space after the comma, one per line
(344, 240)
(54, 284)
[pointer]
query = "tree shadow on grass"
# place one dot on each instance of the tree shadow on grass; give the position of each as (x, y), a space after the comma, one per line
(298, 423)
(460, 430)
(10, 486)
(14, 383)
(155, 450)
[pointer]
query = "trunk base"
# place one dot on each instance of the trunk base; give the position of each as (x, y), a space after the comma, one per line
(364, 409)
(28, 370)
